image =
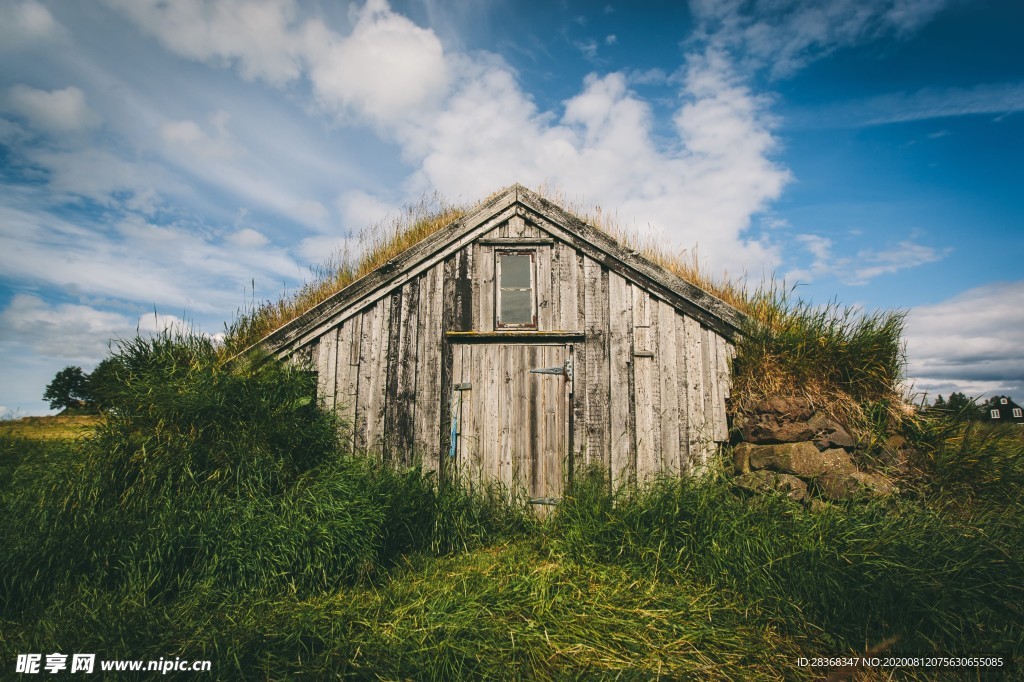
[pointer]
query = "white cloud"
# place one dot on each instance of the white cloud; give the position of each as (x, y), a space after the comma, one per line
(929, 103)
(57, 111)
(866, 265)
(259, 36)
(72, 332)
(137, 261)
(588, 48)
(920, 105)
(969, 343)
(247, 238)
(906, 254)
(387, 69)
(25, 25)
(785, 35)
(703, 187)
(213, 155)
(467, 127)
(360, 209)
(187, 138)
(101, 175)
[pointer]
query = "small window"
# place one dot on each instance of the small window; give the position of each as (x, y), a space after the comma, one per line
(995, 414)
(1003, 401)
(516, 298)
(1017, 413)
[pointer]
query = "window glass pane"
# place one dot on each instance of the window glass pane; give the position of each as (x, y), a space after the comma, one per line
(516, 306)
(515, 271)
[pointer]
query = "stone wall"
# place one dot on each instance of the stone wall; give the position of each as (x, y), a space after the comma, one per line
(786, 444)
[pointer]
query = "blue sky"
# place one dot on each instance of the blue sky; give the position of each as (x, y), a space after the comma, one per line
(158, 160)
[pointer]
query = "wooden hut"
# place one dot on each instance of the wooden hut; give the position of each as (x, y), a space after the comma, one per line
(517, 344)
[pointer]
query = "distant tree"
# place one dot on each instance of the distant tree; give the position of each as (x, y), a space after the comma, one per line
(940, 403)
(68, 388)
(102, 382)
(962, 408)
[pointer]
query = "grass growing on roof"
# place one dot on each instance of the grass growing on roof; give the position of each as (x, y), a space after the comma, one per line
(375, 246)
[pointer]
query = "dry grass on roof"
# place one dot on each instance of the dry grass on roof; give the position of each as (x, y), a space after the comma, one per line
(383, 241)
(683, 263)
(374, 246)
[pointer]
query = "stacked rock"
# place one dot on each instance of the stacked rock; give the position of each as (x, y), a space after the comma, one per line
(789, 446)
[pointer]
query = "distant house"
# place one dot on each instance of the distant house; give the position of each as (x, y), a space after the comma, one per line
(1003, 409)
(517, 344)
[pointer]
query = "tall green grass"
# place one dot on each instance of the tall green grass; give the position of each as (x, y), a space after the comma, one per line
(225, 479)
(853, 575)
(967, 461)
(791, 346)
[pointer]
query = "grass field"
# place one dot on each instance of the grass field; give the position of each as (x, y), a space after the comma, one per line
(56, 427)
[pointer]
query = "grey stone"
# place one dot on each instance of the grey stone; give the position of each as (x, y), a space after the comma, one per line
(775, 420)
(769, 481)
(801, 459)
(838, 485)
(741, 457)
(828, 433)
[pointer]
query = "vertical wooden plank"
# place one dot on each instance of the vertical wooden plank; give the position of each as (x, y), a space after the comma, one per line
(462, 406)
(707, 348)
(444, 397)
(558, 426)
(696, 428)
(511, 456)
(363, 377)
(375, 388)
(570, 290)
(556, 288)
(580, 437)
(345, 404)
(463, 293)
(485, 304)
(622, 431)
(565, 420)
(314, 354)
(669, 413)
(401, 406)
(327, 367)
(646, 394)
(545, 309)
(531, 231)
(597, 364)
(392, 364)
(682, 391)
(722, 389)
(515, 227)
(428, 369)
(497, 460)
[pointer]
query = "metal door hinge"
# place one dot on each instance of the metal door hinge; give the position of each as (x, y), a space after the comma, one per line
(565, 370)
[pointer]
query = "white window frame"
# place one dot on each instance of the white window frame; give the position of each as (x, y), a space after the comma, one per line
(498, 324)
(994, 414)
(1018, 413)
(1003, 401)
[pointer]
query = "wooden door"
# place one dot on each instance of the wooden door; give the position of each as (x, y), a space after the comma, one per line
(511, 424)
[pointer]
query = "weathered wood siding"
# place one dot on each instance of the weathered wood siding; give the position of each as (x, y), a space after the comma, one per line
(650, 381)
